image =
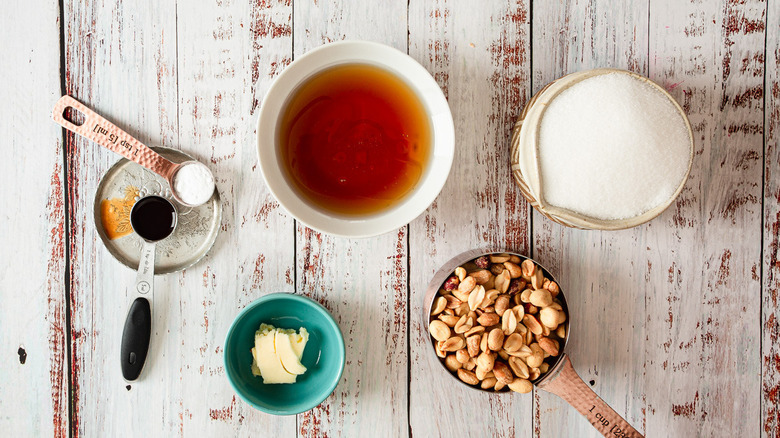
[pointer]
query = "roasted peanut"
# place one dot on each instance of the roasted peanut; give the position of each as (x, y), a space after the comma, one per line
(472, 344)
(509, 323)
(467, 284)
(514, 270)
(467, 377)
(490, 298)
(541, 298)
(452, 302)
(516, 286)
(476, 330)
(528, 268)
(486, 361)
(502, 372)
(549, 317)
(481, 276)
(537, 280)
(439, 330)
(488, 383)
(502, 281)
(453, 344)
(439, 304)
(488, 319)
(553, 288)
(495, 339)
(549, 345)
(460, 272)
(450, 320)
(518, 367)
(502, 302)
(452, 363)
(483, 342)
(439, 351)
(462, 355)
(498, 258)
(522, 386)
(533, 324)
(451, 283)
(477, 296)
(482, 262)
(464, 324)
(513, 343)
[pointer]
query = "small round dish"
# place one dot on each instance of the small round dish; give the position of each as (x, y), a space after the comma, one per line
(323, 356)
(126, 182)
(417, 78)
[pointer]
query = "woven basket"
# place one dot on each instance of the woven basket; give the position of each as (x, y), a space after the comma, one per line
(525, 137)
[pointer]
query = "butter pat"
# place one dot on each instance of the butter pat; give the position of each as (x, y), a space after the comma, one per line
(277, 354)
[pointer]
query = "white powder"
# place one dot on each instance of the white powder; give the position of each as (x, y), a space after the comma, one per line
(193, 183)
(611, 147)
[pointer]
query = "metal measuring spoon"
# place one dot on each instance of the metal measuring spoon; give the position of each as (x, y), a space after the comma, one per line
(153, 218)
(108, 135)
(560, 379)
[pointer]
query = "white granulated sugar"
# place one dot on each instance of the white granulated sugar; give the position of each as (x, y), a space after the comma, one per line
(193, 183)
(611, 147)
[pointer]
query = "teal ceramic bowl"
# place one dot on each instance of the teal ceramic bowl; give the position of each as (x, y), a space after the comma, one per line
(323, 356)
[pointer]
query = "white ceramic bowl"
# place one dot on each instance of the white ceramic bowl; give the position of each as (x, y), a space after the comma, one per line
(426, 89)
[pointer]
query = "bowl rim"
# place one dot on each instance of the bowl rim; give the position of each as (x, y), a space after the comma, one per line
(302, 300)
(527, 131)
(417, 78)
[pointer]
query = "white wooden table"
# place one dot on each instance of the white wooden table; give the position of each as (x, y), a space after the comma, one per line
(674, 323)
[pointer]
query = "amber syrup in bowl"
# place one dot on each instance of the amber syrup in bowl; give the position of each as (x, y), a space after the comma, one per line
(354, 139)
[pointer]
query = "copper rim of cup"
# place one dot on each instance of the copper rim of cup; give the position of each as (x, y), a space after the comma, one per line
(447, 270)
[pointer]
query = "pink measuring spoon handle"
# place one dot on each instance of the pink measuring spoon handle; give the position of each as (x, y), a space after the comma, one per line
(568, 385)
(108, 135)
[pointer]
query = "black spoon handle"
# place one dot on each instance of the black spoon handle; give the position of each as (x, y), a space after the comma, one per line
(135, 338)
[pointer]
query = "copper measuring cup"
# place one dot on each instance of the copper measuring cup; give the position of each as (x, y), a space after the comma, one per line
(560, 379)
(108, 135)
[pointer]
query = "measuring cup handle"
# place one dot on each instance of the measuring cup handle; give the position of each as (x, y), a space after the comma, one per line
(568, 385)
(135, 338)
(108, 135)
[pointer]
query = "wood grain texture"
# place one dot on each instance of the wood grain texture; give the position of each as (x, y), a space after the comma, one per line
(770, 347)
(480, 57)
(702, 353)
(675, 323)
(363, 283)
(228, 53)
(120, 60)
(598, 271)
(33, 341)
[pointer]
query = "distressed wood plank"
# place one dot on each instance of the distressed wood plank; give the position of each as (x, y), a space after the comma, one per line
(480, 57)
(702, 292)
(598, 271)
(228, 54)
(361, 282)
(770, 347)
(120, 59)
(34, 383)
